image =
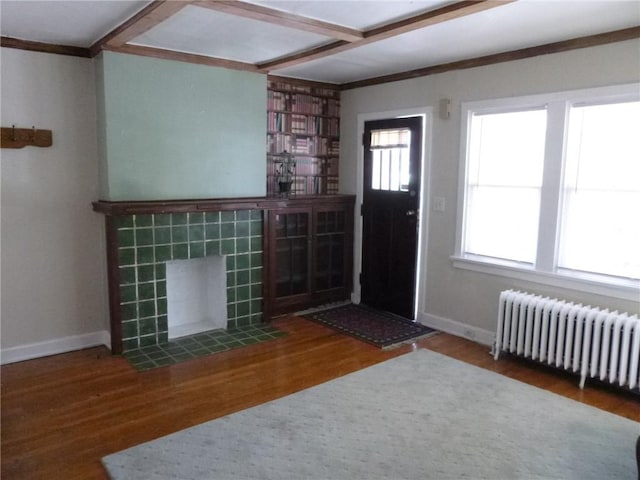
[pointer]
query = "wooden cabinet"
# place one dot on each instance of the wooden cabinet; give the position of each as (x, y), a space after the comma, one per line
(309, 250)
(303, 124)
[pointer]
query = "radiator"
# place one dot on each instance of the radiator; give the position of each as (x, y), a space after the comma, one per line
(595, 342)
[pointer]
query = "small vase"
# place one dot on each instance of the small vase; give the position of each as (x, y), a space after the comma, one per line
(285, 187)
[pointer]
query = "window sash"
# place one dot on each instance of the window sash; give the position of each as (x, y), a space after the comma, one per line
(552, 191)
(499, 222)
(504, 180)
(600, 206)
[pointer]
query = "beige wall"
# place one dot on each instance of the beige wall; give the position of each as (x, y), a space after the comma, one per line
(53, 280)
(53, 276)
(467, 301)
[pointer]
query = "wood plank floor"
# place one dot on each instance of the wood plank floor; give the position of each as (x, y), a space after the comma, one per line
(61, 414)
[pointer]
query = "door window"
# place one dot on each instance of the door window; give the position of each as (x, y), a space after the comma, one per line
(390, 169)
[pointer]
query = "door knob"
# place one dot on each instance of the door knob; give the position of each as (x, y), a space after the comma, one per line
(411, 213)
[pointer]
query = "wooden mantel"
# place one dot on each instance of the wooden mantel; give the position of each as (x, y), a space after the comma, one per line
(141, 207)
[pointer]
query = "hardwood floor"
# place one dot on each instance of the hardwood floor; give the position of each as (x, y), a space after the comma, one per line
(61, 414)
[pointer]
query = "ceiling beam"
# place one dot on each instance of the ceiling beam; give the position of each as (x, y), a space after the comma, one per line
(425, 19)
(555, 47)
(182, 57)
(147, 18)
(284, 19)
(433, 17)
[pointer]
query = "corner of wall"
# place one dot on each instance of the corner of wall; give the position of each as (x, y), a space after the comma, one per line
(101, 128)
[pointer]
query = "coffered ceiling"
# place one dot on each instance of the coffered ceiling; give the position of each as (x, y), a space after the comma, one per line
(348, 42)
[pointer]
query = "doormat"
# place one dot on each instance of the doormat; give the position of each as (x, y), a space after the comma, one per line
(381, 329)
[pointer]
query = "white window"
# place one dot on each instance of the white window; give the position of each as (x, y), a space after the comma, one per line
(506, 158)
(600, 230)
(551, 184)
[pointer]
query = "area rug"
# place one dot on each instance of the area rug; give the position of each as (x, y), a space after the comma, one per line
(382, 329)
(418, 416)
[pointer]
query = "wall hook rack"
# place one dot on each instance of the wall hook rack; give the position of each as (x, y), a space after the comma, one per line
(13, 137)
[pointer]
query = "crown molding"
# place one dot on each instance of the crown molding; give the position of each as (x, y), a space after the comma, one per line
(9, 42)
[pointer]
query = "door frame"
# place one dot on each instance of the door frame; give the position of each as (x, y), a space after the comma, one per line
(425, 187)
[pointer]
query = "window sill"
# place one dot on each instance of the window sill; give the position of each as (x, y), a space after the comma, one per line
(597, 284)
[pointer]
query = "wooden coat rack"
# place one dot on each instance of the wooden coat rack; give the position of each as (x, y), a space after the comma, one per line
(13, 137)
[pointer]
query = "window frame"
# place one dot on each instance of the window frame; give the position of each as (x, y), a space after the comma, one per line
(544, 269)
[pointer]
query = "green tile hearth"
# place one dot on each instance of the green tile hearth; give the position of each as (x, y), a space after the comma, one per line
(206, 343)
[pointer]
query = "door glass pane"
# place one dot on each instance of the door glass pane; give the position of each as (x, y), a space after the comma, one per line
(404, 170)
(323, 262)
(330, 244)
(391, 137)
(283, 272)
(390, 159)
(375, 170)
(395, 170)
(292, 254)
(384, 170)
(337, 260)
(299, 265)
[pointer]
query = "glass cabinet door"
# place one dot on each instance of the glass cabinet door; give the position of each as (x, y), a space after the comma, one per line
(292, 243)
(330, 250)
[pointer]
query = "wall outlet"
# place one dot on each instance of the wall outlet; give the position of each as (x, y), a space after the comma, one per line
(438, 204)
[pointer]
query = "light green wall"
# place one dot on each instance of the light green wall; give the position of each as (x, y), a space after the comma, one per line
(172, 130)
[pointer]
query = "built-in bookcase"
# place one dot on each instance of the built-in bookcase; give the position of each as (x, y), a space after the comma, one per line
(303, 138)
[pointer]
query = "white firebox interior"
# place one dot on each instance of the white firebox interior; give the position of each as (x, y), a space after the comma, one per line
(196, 295)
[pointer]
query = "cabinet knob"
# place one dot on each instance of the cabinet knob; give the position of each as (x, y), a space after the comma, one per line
(411, 213)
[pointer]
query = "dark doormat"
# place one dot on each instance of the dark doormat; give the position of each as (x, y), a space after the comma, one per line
(382, 329)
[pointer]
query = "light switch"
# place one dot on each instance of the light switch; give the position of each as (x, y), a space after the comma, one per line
(438, 204)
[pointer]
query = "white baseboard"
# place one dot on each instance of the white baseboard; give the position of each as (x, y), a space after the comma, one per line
(478, 335)
(54, 347)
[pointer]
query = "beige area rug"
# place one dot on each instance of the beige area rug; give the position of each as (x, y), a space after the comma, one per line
(418, 416)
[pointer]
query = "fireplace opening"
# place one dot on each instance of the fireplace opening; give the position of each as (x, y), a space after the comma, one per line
(196, 295)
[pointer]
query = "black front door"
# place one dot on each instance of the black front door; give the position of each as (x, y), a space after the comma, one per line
(391, 199)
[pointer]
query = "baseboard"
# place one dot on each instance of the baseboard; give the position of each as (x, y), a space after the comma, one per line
(54, 347)
(478, 335)
(355, 297)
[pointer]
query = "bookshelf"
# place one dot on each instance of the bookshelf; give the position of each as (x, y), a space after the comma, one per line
(303, 128)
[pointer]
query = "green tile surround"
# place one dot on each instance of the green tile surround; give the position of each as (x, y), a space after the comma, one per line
(206, 343)
(146, 242)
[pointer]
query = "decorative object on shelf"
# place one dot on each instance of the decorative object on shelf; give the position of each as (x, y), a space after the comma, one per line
(13, 137)
(285, 172)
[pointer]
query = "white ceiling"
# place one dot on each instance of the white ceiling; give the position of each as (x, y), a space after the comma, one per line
(76, 23)
(205, 32)
(210, 33)
(509, 27)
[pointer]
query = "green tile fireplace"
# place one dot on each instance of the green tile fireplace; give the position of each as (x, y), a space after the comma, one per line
(145, 242)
